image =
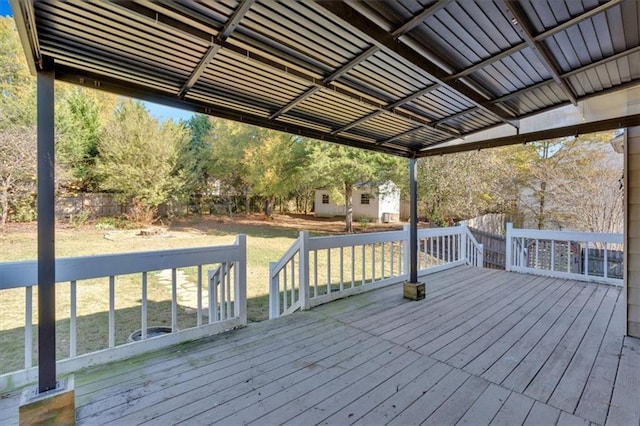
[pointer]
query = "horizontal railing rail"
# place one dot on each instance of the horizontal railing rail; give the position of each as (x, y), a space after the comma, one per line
(316, 270)
(174, 275)
(583, 256)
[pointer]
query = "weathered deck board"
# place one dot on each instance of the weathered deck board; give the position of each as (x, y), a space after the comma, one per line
(484, 347)
(625, 408)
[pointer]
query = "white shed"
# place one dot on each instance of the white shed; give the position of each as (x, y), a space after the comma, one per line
(377, 203)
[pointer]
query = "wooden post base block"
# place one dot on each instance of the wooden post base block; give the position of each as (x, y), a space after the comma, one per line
(413, 291)
(55, 407)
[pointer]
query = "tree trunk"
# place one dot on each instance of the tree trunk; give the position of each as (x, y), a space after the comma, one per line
(348, 192)
(541, 197)
(268, 206)
(4, 205)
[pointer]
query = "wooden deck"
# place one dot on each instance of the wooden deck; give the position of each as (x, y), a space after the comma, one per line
(485, 347)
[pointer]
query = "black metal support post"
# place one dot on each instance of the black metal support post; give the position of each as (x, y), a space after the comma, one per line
(46, 230)
(413, 226)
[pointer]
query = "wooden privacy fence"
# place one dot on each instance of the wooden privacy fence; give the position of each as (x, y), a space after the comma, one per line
(494, 248)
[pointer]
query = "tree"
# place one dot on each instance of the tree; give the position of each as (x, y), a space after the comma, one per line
(340, 168)
(228, 141)
(195, 163)
(461, 186)
(137, 158)
(17, 86)
(271, 166)
(554, 176)
(79, 129)
(17, 170)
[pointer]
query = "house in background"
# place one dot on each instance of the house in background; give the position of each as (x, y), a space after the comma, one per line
(378, 203)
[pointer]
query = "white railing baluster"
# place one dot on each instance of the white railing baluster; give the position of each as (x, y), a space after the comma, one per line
(213, 298)
(383, 274)
(174, 300)
(586, 258)
(28, 327)
(285, 293)
(229, 302)
(199, 296)
(143, 320)
(373, 262)
(391, 256)
(223, 295)
(363, 265)
(606, 262)
(341, 268)
(293, 280)
(353, 266)
(112, 311)
(328, 271)
(73, 308)
(315, 273)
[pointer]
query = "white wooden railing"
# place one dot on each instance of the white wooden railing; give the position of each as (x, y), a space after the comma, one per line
(224, 305)
(316, 270)
(583, 256)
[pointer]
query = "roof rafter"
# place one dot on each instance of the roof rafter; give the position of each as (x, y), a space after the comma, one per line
(386, 41)
(328, 79)
(419, 18)
(523, 25)
(543, 35)
(226, 31)
(582, 69)
(314, 84)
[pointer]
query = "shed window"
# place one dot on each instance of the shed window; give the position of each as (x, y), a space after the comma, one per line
(325, 198)
(364, 198)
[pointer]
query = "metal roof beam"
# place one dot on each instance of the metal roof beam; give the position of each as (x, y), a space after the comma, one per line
(385, 40)
(574, 130)
(521, 22)
(231, 24)
(419, 18)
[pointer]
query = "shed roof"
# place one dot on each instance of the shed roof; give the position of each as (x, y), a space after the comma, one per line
(407, 77)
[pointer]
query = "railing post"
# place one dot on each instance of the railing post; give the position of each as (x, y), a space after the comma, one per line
(463, 254)
(508, 247)
(303, 266)
(480, 257)
(241, 279)
(274, 291)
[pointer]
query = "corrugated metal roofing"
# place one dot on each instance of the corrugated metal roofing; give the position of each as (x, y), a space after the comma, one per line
(396, 76)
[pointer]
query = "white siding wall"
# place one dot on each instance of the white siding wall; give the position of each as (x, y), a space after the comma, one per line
(385, 202)
(327, 210)
(632, 230)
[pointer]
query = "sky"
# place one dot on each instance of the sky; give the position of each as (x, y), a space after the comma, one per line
(159, 111)
(5, 9)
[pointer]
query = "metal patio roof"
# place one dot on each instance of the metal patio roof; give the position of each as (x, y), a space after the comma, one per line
(407, 77)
